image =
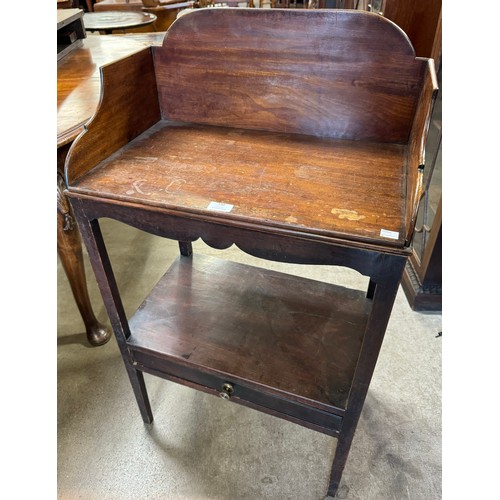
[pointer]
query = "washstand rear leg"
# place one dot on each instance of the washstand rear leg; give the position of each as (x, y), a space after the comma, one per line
(186, 248)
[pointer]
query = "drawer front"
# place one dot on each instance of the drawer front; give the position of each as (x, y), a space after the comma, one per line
(239, 391)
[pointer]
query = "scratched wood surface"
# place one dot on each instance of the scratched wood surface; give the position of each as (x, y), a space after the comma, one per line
(293, 334)
(317, 185)
(325, 136)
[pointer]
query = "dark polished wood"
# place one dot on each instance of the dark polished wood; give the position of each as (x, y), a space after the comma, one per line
(78, 92)
(236, 132)
(264, 76)
(79, 80)
(252, 154)
(69, 249)
(256, 308)
(422, 279)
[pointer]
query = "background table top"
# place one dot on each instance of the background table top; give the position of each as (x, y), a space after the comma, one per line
(110, 20)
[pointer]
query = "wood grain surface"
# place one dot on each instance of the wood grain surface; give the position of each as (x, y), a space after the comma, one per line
(79, 78)
(295, 335)
(254, 68)
(316, 185)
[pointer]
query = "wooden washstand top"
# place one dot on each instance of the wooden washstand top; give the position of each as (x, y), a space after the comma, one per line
(237, 118)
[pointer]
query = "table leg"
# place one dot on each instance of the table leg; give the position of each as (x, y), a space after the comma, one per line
(103, 271)
(69, 249)
(382, 290)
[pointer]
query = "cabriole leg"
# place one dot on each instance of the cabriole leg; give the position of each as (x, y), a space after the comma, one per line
(69, 249)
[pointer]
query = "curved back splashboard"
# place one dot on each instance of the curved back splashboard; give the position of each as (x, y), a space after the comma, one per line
(290, 71)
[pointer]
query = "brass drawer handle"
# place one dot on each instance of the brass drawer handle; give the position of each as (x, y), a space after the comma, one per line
(227, 391)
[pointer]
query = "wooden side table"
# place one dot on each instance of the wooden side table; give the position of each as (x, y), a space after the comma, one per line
(235, 133)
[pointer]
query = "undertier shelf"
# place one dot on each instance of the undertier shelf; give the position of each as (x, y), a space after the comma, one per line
(286, 343)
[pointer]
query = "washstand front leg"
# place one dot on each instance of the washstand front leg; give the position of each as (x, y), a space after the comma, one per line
(99, 259)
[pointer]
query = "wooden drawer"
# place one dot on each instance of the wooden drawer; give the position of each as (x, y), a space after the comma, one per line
(287, 344)
(319, 420)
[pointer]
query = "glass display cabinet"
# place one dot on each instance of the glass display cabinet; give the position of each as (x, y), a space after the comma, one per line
(422, 279)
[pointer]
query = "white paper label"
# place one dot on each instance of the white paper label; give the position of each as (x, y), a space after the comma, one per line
(219, 207)
(394, 235)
